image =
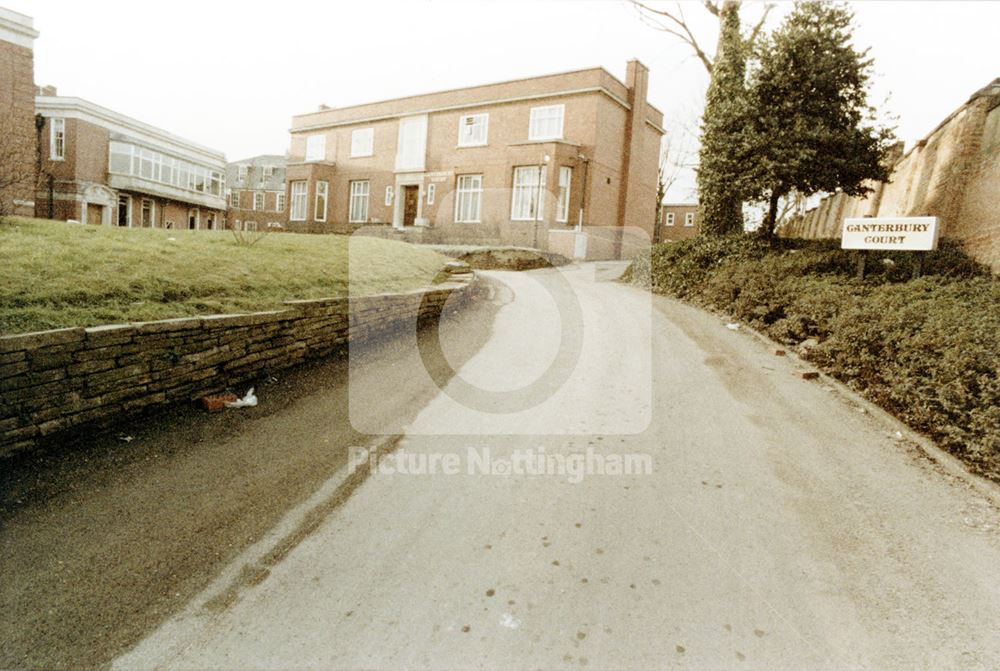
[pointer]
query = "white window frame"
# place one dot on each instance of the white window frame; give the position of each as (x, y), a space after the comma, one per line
(670, 219)
(315, 148)
(469, 199)
(299, 191)
(263, 200)
(241, 173)
(546, 115)
(528, 197)
(562, 202)
(360, 190)
(362, 142)
(234, 199)
(57, 139)
(322, 191)
(689, 220)
(279, 202)
(388, 196)
(482, 119)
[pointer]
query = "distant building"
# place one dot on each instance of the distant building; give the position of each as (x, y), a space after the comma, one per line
(678, 221)
(18, 144)
(256, 193)
(102, 167)
(500, 162)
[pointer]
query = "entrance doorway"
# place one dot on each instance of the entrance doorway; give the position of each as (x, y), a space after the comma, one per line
(95, 213)
(411, 198)
(124, 213)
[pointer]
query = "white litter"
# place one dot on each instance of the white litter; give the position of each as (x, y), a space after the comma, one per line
(509, 621)
(898, 435)
(247, 401)
(733, 326)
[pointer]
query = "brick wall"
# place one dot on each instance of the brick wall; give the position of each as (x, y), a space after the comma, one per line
(18, 143)
(52, 381)
(953, 173)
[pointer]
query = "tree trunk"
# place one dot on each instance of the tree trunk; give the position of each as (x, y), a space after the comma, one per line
(772, 215)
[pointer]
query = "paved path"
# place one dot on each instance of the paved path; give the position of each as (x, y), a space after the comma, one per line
(780, 527)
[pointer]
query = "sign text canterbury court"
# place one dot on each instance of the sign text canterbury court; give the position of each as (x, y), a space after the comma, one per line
(904, 233)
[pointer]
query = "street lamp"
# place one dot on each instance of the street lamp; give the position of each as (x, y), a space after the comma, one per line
(538, 193)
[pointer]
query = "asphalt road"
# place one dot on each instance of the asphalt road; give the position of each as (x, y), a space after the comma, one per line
(779, 526)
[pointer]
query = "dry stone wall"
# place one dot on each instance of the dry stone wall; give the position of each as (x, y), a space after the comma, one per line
(52, 381)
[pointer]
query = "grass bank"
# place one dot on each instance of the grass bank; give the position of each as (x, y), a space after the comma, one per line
(926, 349)
(55, 274)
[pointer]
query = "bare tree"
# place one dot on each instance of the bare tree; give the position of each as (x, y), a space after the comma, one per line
(17, 163)
(670, 19)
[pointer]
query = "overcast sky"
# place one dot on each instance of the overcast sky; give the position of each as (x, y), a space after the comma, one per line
(230, 75)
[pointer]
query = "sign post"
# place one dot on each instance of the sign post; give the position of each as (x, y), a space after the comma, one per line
(914, 234)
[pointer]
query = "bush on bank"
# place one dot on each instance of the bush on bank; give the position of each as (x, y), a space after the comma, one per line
(925, 349)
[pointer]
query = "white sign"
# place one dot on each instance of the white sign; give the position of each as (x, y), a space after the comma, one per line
(905, 233)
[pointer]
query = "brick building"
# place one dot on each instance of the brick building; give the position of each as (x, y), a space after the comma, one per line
(501, 163)
(256, 193)
(18, 145)
(102, 167)
(678, 221)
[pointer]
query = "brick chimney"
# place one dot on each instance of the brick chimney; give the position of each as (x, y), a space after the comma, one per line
(637, 81)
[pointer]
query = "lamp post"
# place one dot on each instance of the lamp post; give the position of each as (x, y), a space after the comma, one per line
(538, 193)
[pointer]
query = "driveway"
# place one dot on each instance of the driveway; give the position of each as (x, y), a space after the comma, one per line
(778, 524)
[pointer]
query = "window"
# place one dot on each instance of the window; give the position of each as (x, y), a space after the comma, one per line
(267, 172)
(298, 212)
(388, 196)
(411, 147)
(125, 158)
(234, 199)
(431, 192)
(279, 202)
(322, 190)
(562, 204)
(362, 142)
(528, 200)
(546, 123)
(359, 202)
(147, 213)
(689, 219)
(472, 130)
(316, 148)
(670, 218)
(258, 200)
(194, 218)
(468, 199)
(242, 174)
(57, 140)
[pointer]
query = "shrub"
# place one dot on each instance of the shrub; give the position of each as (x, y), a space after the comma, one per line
(926, 349)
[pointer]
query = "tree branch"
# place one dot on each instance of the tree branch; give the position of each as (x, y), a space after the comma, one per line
(681, 31)
(752, 39)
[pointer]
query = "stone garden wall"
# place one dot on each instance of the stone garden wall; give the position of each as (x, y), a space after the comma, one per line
(52, 381)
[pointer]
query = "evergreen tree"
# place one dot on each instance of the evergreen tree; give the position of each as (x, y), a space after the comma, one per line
(809, 126)
(720, 203)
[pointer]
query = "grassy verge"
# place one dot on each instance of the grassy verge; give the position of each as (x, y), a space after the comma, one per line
(926, 349)
(56, 274)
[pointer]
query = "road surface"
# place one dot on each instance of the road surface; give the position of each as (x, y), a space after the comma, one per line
(780, 525)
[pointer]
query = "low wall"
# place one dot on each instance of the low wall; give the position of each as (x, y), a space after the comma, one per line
(51, 381)
(953, 173)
